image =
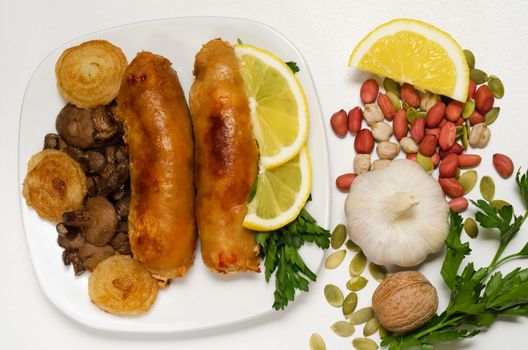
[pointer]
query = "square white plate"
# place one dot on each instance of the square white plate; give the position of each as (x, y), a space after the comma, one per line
(201, 299)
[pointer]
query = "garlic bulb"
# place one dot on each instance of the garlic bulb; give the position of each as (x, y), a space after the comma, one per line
(398, 214)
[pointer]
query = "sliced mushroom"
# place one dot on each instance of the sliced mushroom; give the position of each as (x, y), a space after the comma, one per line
(72, 257)
(92, 255)
(96, 161)
(112, 182)
(122, 206)
(105, 126)
(75, 126)
(121, 243)
(69, 238)
(77, 218)
(51, 141)
(104, 221)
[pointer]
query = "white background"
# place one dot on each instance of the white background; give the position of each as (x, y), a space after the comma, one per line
(325, 33)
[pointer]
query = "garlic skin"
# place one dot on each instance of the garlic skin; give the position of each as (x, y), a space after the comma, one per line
(398, 215)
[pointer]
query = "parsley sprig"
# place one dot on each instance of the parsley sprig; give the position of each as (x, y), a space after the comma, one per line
(478, 296)
(280, 248)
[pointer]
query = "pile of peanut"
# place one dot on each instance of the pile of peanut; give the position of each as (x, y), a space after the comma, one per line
(432, 130)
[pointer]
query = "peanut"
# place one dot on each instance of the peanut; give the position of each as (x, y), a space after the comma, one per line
(447, 137)
(484, 99)
(369, 91)
(386, 106)
(361, 163)
(479, 135)
(471, 89)
(428, 145)
(418, 130)
(338, 121)
(410, 95)
(503, 164)
(408, 145)
(387, 150)
(428, 100)
(459, 204)
(364, 142)
(476, 118)
(355, 117)
(457, 149)
(435, 115)
(449, 166)
(435, 158)
(399, 124)
(381, 131)
(343, 182)
(451, 187)
(433, 131)
(454, 110)
(373, 114)
(411, 156)
(468, 160)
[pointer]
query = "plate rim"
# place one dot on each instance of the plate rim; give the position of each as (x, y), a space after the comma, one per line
(325, 222)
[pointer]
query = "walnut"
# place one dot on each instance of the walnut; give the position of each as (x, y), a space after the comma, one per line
(404, 301)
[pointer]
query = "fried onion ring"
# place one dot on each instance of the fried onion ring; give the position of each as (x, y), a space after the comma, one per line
(55, 183)
(89, 75)
(120, 285)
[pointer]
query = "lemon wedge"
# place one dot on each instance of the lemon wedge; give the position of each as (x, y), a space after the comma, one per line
(278, 105)
(415, 52)
(280, 194)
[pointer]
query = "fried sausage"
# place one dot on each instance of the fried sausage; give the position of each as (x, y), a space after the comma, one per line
(158, 129)
(226, 160)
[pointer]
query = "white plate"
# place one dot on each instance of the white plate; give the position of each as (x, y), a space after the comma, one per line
(201, 299)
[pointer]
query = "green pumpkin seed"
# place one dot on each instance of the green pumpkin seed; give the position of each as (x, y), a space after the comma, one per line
(377, 271)
(356, 283)
(469, 108)
(496, 86)
(492, 115)
(471, 228)
(343, 328)
(470, 58)
(333, 295)
(405, 106)
(335, 259)
(499, 203)
(383, 332)
(352, 246)
(317, 342)
(349, 304)
(465, 138)
(357, 264)
(468, 180)
(371, 327)
(338, 236)
(460, 131)
(425, 162)
(391, 86)
(361, 316)
(487, 188)
(412, 115)
(395, 100)
(364, 344)
(478, 76)
(457, 174)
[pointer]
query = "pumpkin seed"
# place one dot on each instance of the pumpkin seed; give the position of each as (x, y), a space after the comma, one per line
(317, 342)
(364, 344)
(356, 283)
(391, 86)
(335, 259)
(487, 188)
(471, 228)
(457, 174)
(499, 203)
(496, 86)
(468, 180)
(383, 332)
(478, 76)
(412, 115)
(338, 236)
(492, 115)
(425, 162)
(470, 58)
(343, 328)
(333, 295)
(405, 106)
(465, 138)
(371, 327)
(361, 316)
(357, 264)
(460, 131)
(349, 304)
(469, 108)
(395, 100)
(377, 271)
(352, 246)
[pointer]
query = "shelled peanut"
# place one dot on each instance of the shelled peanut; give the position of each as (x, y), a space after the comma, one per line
(432, 130)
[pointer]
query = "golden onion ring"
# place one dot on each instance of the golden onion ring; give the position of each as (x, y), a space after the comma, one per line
(89, 75)
(55, 183)
(120, 285)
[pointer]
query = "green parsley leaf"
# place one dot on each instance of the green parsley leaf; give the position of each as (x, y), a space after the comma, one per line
(293, 66)
(240, 42)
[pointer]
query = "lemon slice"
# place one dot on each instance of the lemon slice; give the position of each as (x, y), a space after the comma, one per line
(278, 105)
(280, 194)
(411, 51)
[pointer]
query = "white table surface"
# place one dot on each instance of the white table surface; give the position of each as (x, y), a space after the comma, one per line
(325, 33)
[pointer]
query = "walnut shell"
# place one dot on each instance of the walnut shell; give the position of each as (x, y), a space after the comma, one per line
(404, 301)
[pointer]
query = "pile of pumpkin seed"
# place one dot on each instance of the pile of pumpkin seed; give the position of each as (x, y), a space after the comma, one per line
(346, 327)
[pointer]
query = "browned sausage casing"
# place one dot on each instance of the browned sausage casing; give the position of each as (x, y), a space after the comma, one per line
(226, 160)
(161, 221)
